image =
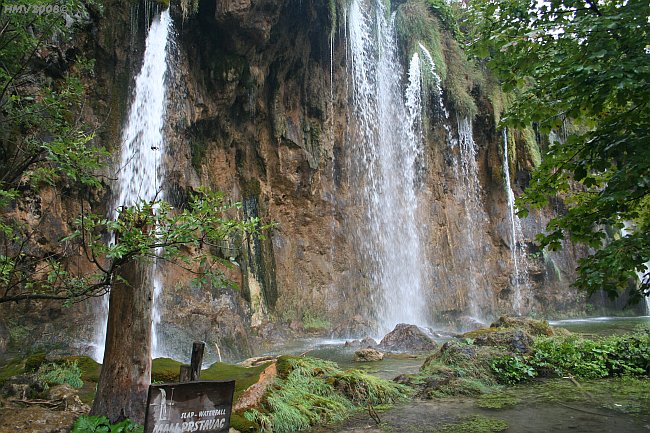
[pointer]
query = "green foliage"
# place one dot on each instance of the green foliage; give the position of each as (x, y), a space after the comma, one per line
(573, 355)
(586, 63)
(449, 15)
(462, 77)
(101, 424)
(186, 239)
(43, 143)
(474, 424)
(59, 374)
(433, 24)
(314, 322)
(90, 368)
(416, 25)
(512, 369)
(312, 392)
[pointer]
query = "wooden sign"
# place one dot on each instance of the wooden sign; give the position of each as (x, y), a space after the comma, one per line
(203, 406)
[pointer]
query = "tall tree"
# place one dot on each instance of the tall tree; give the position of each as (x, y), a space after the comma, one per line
(143, 233)
(44, 143)
(585, 64)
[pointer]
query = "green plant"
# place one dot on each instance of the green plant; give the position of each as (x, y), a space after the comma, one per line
(101, 424)
(58, 374)
(569, 63)
(512, 369)
(574, 355)
(313, 321)
(310, 392)
(90, 368)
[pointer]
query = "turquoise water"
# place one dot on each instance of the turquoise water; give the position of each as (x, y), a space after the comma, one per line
(603, 325)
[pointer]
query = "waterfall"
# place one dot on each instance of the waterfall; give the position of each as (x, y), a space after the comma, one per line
(469, 193)
(628, 229)
(386, 142)
(140, 171)
(519, 278)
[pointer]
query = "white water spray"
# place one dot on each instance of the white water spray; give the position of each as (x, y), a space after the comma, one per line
(628, 229)
(386, 138)
(141, 170)
(469, 192)
(519, 278)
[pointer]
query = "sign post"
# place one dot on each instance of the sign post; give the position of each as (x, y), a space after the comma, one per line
(189, 407)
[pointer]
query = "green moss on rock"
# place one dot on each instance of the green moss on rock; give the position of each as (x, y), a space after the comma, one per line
(90, 368)
(165, 370)
(244, 377)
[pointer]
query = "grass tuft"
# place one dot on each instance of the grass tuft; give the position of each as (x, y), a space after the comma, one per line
(312, 392)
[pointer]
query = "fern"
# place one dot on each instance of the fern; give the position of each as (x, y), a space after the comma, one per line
(101, 424)
(58, 374)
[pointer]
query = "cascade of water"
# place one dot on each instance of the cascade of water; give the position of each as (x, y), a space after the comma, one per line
(140, 172)
(469, 194)
(628, 229)
(519, 279)
(386, 140)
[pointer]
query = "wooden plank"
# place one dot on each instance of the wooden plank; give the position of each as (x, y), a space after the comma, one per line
(185, 374)
(197, 359)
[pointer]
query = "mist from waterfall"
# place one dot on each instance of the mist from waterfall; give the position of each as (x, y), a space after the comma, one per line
(519, 280)
(140, 170)
(386, 141)
(468, 193)
(628, 229)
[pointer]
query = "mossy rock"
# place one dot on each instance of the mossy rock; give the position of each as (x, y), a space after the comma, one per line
(284, 365)
(238, 422)
(18, 366)
(165, 370)
(34, 361)
(536, 328)
(516, 340)
(479, 332)
(244, 377)
(13, 368)
(90, 368)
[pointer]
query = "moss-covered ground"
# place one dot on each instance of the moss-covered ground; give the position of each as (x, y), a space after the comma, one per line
(494, 378)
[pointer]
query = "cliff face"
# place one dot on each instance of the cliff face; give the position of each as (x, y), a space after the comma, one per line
(261, 110)
(259, 107)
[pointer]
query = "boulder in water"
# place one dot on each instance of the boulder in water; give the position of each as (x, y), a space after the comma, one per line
(517, 340)
(366, 342)
(407, 338)
(368, 355)
(533, 327)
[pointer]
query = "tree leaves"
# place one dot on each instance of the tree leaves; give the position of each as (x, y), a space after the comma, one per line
(584, 64)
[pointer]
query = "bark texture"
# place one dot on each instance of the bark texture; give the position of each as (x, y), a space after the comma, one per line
(126, 371)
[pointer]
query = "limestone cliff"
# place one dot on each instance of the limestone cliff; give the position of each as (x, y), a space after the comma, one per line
(259, 108)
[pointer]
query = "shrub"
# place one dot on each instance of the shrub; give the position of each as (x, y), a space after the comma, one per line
(578, 356)
(58, 374)
(101, 424)
(512, 369)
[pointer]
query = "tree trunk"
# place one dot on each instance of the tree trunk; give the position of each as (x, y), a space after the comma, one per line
(126, 370)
